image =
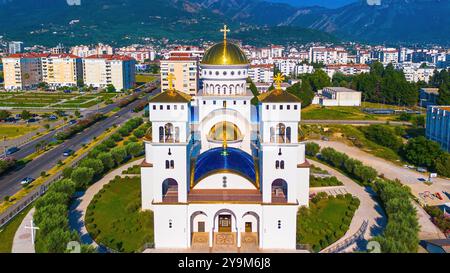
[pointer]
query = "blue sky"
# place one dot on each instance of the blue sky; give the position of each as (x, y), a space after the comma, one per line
(323, 3)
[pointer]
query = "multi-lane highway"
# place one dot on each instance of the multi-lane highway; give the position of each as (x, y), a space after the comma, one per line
(10, 183)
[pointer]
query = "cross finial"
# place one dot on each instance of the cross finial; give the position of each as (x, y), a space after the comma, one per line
(170, 79)
(279, 78)
(225, 30)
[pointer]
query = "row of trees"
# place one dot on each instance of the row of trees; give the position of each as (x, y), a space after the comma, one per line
(354, 168)
(386, 85)
(107, 155)
(441, 80)
(52, 210)
(80, 126)
(401, 232)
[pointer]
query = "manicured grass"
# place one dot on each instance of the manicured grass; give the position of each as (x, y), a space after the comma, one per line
(143, 78)
(326, 220)
(7, 232)
(317, 112)
(114, 217)
(13, 131)
(324, 182)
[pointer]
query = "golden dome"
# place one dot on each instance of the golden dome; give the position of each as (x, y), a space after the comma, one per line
(224, 53)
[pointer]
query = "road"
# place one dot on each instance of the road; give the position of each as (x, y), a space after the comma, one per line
(355, 122)
(10, 183)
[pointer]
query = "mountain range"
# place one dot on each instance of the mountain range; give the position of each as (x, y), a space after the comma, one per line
(392, 22)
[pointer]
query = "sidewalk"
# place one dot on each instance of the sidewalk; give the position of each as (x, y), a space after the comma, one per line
(22, 239)
(79, 206)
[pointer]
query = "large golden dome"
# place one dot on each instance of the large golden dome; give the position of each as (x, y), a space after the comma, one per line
(224, 53)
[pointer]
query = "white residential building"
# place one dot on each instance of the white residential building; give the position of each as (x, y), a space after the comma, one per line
(338, 96)
(261, 73)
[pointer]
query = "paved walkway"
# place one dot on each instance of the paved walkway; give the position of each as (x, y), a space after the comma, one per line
(406, 176)
(369, 210)
(79, 206)
(22, 239)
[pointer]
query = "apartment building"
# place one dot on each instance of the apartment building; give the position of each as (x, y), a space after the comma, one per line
(22, 71)
(328, 55)
(99, 71)
(346, 69)
(139, 54)
(261, 73)
(185, 67)
(60, 70)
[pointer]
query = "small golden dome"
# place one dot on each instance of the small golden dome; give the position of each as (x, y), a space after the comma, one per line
(224, 53)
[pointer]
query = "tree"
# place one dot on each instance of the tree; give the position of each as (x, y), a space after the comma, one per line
(303, 91)
(82, 176)
(93, 163)
(422, 152)
(134, 149)
(110, 88)
(107, 160)
(26, 115)
(4, 114)
(77, 113)
(443, 164)
(384, 136)
(119, 154)
(318, 80)
(312, 149)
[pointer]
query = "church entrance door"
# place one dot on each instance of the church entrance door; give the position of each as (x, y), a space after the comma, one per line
(248, 226)
(201, 226)
(224, 223)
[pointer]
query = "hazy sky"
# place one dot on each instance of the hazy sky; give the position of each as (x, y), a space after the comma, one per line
(323, 3)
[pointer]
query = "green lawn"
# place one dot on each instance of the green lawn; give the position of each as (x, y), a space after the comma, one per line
(325, 221)
(13, 131)
(324, 182)
(7, 232)
(143, 78)
(317, 112)
(114, 217)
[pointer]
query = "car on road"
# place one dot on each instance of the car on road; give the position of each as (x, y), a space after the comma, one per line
(68, 152)
(32, 120)
(27, 181)
(72, 122)
(12, 150)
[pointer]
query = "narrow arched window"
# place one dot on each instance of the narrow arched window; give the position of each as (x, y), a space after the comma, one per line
(288, 135)
(161, 134)
(282, 164)
(272, 134)
(172, 164)
(177, 134)
(167, 164)
(277, 164)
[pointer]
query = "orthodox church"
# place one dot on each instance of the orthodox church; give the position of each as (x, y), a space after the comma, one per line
(219, 172)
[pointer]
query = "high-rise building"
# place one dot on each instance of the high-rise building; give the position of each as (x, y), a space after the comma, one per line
(60, 70)
(15, 47)
(185, 69)
(99, 71)
(22, 71)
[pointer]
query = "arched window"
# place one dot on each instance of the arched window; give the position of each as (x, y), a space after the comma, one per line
(288, 135)
(279, 191)
(280, 133)
(272, 134)
(282, 164)
(224, 89)
(217, 89)
(177, 134)
(170, 223)
(172, 164)
(167, 164)
(168, 131)
(161, 134)
(277, 164)
(170, 190)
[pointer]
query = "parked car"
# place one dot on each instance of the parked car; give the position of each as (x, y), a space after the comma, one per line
(68, 152)
(12, 150)
(72, 122)
(32, 120)
(421, 170)
(26, 181)
(52, 117)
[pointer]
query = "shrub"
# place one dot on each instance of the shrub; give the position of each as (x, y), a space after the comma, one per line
(107, 160)
(119, 154)
(312, 149)
(94, 164)
(82, 176)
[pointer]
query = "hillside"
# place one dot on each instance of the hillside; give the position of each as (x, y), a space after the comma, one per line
(123, 21)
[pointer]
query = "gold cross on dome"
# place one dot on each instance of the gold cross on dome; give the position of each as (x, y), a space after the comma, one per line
(225, 30)
(170, 79)
(279, 78)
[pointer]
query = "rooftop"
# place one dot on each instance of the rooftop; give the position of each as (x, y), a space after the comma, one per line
(171, 96)
(341, 89)
(208, 195)
(277, 96)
